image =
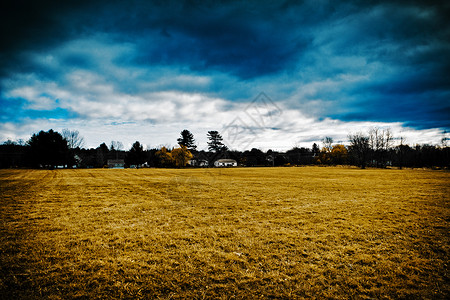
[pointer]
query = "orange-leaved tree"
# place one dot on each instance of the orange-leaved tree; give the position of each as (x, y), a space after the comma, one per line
(181, 156)
(339, 154)
(164, 157)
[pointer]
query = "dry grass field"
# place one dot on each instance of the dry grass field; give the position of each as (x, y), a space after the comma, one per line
(252, 233)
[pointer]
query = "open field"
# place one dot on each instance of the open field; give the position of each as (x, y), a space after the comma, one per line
(224, 233)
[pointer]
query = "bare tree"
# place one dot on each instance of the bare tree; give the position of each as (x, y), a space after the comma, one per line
(73, 138)
(360, 147)
(445, 139)
(402, 149)
(389, 139)
(116, 145)
(328, 144)
(380, 142)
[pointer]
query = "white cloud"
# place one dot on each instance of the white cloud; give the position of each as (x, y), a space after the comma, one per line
(155, 104)
(37, 100)
(199, 114)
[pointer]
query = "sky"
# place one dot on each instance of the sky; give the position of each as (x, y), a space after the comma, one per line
(265, 74)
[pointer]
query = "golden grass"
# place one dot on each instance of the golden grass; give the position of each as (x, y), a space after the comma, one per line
(224, 233)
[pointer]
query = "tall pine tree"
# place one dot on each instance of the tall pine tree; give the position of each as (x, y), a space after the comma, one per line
(187, 140)
(215, 142)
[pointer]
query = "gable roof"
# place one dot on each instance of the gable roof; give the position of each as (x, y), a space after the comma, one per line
(226, 160)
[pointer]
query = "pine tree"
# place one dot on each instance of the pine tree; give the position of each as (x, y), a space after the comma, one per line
(215, 142)
(187, 140)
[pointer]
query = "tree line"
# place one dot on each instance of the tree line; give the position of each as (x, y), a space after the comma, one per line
(51, 149)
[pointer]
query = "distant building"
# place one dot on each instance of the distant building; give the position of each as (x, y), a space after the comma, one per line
(116, 163)
(225, 162)
(200, 159)
(198, 162)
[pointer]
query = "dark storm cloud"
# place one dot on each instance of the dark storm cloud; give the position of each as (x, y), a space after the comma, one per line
(350, 60)
(405, 49)
(247, 39)
(235, 37)
(34, 25)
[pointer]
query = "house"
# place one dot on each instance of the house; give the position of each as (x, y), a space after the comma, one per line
(225, 162)
(116, 163)
(198, 162)
(200, 159)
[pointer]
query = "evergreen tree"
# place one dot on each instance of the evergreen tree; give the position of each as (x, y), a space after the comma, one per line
(48, 149)
(102, 155)
(187, 140)
(315, 149)
(215, 142)
(136, 155)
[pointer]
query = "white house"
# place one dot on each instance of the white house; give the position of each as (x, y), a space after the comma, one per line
(225, 162)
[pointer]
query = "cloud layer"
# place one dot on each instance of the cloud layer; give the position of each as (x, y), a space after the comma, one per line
(145, 70)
